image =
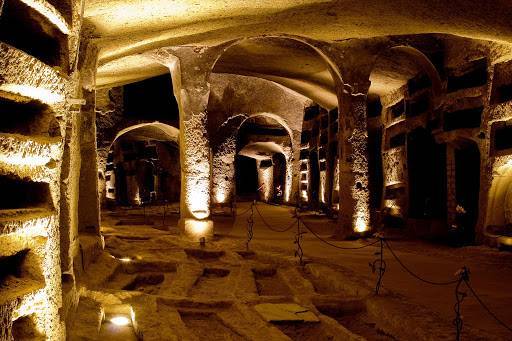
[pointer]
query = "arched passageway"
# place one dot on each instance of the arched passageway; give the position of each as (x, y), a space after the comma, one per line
(143, 166)
(499, 209)
(407, 166)
(300, 67)
(265, 140)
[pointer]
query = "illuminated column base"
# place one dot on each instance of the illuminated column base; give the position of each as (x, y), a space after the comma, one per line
(194, 229)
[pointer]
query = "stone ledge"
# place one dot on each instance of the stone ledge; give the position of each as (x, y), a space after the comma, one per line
(26, 76)
(29, 222)
(47, 10)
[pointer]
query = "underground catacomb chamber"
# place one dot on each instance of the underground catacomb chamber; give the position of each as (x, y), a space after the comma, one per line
(147, 282)
(212, 280)
(20, 275)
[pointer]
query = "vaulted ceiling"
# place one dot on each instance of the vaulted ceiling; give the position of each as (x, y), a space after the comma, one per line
(124, 29)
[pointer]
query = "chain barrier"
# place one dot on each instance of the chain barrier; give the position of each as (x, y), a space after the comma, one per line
(299, 252)
(244, 212)
(250, 225)
(269, 226)
(379, 265)
(334, 245)
(412, 273)
(165, 211)
(463, 276)
(486, 308)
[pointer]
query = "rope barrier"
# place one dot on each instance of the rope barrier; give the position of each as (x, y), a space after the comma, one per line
(486, 308)
(244, 212)
(333, 245)
(459, 297)
(250, 225)
(298, 236)
(379, 266)
(269, 226)
(415, 275)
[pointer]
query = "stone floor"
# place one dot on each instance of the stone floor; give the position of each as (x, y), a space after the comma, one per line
(171, 289)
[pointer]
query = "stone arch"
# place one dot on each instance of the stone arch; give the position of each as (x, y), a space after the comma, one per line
(170, 131)
(397, 76)
(499, 207)
(157, 130)
(225, 151)
(332, 67)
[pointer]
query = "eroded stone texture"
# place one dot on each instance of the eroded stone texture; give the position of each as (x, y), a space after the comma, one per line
(28, 77)
(393, 164)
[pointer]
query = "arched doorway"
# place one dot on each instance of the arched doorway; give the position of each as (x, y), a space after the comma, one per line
(143, 166)
(292, 63)
(499, 208)
(264, 139)
(407, 161)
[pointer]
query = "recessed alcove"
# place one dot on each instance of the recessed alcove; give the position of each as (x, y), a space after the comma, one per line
(465, 118)
(27, 117)
(11, 266)
(471, 75)
(26, 29)
(20, 194)
(24, 328)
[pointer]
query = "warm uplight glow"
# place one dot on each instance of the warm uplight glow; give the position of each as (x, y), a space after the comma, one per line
(220, 197)
(360, 225)
(125, 259)
(200, 227)
(197, 229)
(304, 195)
(198, 197)
(25, 152)
(265, 181)
(44, 95)
(120, 320)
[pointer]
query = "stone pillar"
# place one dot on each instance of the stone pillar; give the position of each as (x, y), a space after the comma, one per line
(265, 182)
(190, 70)
(69, 176)
(354, 215)
(88, 202)
(291, 178)
(451, 195)
(330, 159)
(293, 167)
(224, 171)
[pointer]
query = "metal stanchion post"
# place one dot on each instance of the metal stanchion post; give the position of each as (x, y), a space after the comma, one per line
(298, 236)
(463, 275)
(250, 225)
(379, 265)
(165, 209)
